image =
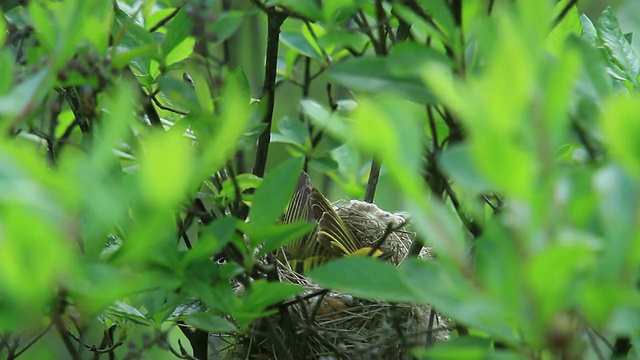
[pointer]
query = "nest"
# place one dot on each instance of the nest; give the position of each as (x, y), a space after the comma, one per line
(333, 325)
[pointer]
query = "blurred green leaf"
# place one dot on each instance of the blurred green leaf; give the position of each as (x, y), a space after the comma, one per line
(178, 31)
(226, 25)
(215, 236)
(263, 293)
(280, 235)
(210, 322)
(367, 277)
(456, 162)
(620, 121)
(25, 95)
(375, 75)
(244, 183)
(308, 8)
(273, 194)
(299, 43)
(464, 347)
(293, 131)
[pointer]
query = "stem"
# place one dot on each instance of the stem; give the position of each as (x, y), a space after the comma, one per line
(58, 323)
(275, 20)
(372, 184)
(563, 13)
(167, 18)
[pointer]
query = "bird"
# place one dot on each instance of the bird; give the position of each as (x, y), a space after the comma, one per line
(331, 238)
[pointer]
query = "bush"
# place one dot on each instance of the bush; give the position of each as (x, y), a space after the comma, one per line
(136, 195)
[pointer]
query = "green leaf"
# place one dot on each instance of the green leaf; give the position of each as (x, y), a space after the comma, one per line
(273, 194)
(178, 94)
(375, 75)
(3, 28)
(618, 198)
(178, 31)
(457, 163)
(327, 119)
(180, 52)
(418, 22)
(323, 164)
(391, 128)
(166, 168)
(338, 11)
(213, 238)
(220, 296)
(613, 39)
(299, 43)
(129, 312)
(463, 348)
(220, 133)
(226, 25)
(308, 8)
(263, 293)
(441, 12)
(570, 262)
(294, 131)
(7, 64)
(280, 235)
(132, 44)
(570, 25)
(244, 183)
(620, 121)
(209, 322)
(29, 92)
(366, 277)
(589, 31)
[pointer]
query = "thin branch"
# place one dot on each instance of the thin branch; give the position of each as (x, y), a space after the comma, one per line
(33, 341)
(432, 126)
(381, 16)
(472, 226)
(300, 299)
(315, 38)
(182, 230)
(490, 7)
(281, 12)
(163, 107)
(56, 108)
(584, 139)
(432, 316)
(275, 20)
(64, 334)
(387, 232)
(372, 183)
(167, 18)
(108, 349)
(563, 13)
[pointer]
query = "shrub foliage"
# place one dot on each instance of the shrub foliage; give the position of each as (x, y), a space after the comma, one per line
(135, 191)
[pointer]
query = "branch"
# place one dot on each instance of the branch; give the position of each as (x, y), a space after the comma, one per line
(167, 18)
(563, 13)
(163, 107)
(64, 334)
(275, 20)
(33, 341)
(372, 184)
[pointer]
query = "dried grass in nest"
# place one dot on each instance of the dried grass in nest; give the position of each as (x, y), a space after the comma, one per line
(333, 325)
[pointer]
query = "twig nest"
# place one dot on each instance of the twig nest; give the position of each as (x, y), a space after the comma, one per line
(368, 223)
(333, 325)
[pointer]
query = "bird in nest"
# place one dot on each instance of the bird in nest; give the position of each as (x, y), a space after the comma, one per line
(331, 238)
